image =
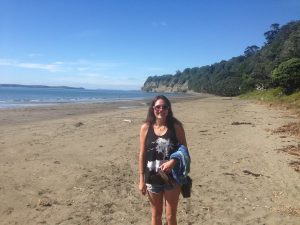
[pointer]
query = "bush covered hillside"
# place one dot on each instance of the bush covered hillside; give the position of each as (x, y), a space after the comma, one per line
(276, 64)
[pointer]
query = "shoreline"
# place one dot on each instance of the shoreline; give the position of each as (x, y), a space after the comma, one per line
(32, 97)
(46, 112)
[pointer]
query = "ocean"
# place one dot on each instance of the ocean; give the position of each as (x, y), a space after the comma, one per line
(19, 97)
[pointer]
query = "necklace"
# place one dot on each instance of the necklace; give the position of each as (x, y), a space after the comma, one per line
(161, 128)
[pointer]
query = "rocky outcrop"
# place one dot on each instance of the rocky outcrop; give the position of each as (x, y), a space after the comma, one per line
(159, 86)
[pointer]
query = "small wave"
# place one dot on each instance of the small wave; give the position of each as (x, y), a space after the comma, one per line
(31, 97)
(34, 100)
(128, 107)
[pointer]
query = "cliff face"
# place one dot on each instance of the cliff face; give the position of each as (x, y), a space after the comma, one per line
(158, 86)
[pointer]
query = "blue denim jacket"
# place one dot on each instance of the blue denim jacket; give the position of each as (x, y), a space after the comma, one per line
(182, 167)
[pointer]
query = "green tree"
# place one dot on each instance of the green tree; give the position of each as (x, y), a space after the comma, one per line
(287, 75)
(271, 34)
(250, 50)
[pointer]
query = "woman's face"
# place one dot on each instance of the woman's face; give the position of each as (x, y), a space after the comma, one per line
(160, 109)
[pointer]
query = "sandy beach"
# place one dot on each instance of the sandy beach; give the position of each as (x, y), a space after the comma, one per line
(78, 164)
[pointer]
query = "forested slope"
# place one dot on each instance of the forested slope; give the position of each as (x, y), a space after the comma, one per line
(275, 64)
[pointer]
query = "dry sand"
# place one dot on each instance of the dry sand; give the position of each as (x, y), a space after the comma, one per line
(79, 164)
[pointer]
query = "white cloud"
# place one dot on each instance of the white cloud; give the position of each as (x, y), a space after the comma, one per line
(52, 67)
(97, 64)
(48, 67)
(7, 62)
(159, 24)
(99, 81)
(35, 54)
(59, 63)
(84, 73)
(59, 66)
(91, 75)
(82, 69)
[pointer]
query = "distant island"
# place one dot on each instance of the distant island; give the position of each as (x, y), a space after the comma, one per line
(38, 86)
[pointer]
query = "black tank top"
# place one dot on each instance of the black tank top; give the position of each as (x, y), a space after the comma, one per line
(158, 150)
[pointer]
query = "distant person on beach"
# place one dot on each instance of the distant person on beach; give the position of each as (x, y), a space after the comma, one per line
(160, 136)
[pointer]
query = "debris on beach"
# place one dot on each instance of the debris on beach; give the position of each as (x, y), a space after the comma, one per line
(295, 165)
(8, 211)
(229, 174)
(292, 128)
(203, 131)
(295, 151)
(247, 172)
(241, 123)
(128, 121)
(292, 150)
(78, 124)
(289, 210)
(46, 202)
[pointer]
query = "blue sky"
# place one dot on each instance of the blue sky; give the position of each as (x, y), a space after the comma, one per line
(117, 44)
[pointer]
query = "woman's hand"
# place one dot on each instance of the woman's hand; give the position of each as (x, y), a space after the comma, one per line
(168, 166)
(142, 188)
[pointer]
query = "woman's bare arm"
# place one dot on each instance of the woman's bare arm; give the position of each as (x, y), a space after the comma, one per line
(143, 133)
(180, 134)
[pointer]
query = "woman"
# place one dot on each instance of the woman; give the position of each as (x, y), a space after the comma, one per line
(160, 136)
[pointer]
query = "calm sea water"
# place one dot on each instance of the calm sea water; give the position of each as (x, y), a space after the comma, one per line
(15, 97)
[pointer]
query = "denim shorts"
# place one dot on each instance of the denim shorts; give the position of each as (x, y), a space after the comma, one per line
(156, 188)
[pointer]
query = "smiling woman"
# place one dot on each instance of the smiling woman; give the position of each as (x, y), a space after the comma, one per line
(160, 137)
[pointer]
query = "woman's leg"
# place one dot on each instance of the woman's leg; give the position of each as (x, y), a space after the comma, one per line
(172, 197)
(156, 201)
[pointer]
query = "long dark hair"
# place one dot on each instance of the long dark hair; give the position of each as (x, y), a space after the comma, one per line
(170, 120)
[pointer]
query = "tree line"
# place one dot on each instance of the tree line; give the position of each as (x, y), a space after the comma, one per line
(275, 64)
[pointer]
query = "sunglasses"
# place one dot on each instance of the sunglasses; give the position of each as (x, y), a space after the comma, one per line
(162, 107)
